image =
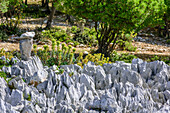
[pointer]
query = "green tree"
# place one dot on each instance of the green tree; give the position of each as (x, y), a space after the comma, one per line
(3, 6)
(167, 19)
(10, 9)
(112, 17)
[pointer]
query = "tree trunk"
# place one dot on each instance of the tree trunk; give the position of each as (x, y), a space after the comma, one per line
(49, 22)
(166, 27)
(47, 6)
(25, 2)
(42, 2)
(107, 35)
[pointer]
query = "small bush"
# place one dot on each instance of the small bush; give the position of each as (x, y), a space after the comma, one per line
(98, 59)
(168, 41)
(122, 57)
(3, 75)
(3, 36)
(87, 37)
(125, 42)
(56, 33)
(165, 59)
(63, 56)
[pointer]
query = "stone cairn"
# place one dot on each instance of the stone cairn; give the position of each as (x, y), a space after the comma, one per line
(26, 42)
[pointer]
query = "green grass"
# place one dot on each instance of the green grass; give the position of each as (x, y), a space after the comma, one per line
(3, 75)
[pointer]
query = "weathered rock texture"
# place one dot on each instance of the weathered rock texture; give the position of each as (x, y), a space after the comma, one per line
(26, 42)
(119, 87)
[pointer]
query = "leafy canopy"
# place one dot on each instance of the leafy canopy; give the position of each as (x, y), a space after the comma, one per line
(125, 15)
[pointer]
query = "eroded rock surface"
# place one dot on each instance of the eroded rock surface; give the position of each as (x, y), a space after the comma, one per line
(119, 87)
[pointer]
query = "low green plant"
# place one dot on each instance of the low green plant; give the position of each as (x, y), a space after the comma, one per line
(165, 59)
(56, 33)
(125, 41)
(3, 75)
(63, 56)
(29, 98)
(61, 71)
(87, 36)
(168, 41)
(126, 57)
(3, 36)
(98, 59)
(8, 56)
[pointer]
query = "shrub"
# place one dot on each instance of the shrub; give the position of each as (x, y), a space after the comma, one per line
(58, 56)
(165, 59)
(56, 33)
(87, 36)
(112, 17)
(122, 57)
(3, 36)
(98, 59)
(125, 41)
(168, 41)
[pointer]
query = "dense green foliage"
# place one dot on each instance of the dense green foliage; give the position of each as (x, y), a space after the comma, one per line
(87, 36)
(3, 36)
(117, 16)
(59, 56)
(125, 42)
(3, 6)
(56, 33)
(11, 9)
(122, 57)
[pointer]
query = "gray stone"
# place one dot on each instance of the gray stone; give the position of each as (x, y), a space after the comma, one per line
(125, 66)
(107, 67)
(114, 73)
(73, 93)
(42, 86)
(10, 108)
(37, 109)
(18, 107)
(26, 41)
(7, 70)
(88, 82)
(39, 99)
(30, 66)
(4, 90)
(39, 76)
(25, 48)
(108, 103)
(29, 109)
(49, 91)
(20, 84)
(65, 109)
(27, 92)
(167, 94)
(168, 85)
(164, 109)
(16, 70)
(83, 90)
(51, 102)
(67, 80)
(16, 97)
(100, 76)
(2, 106)
(27, 35)
(134, 67)
(131, 76)
(89, 68)
(61, 93)
(72, 68)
